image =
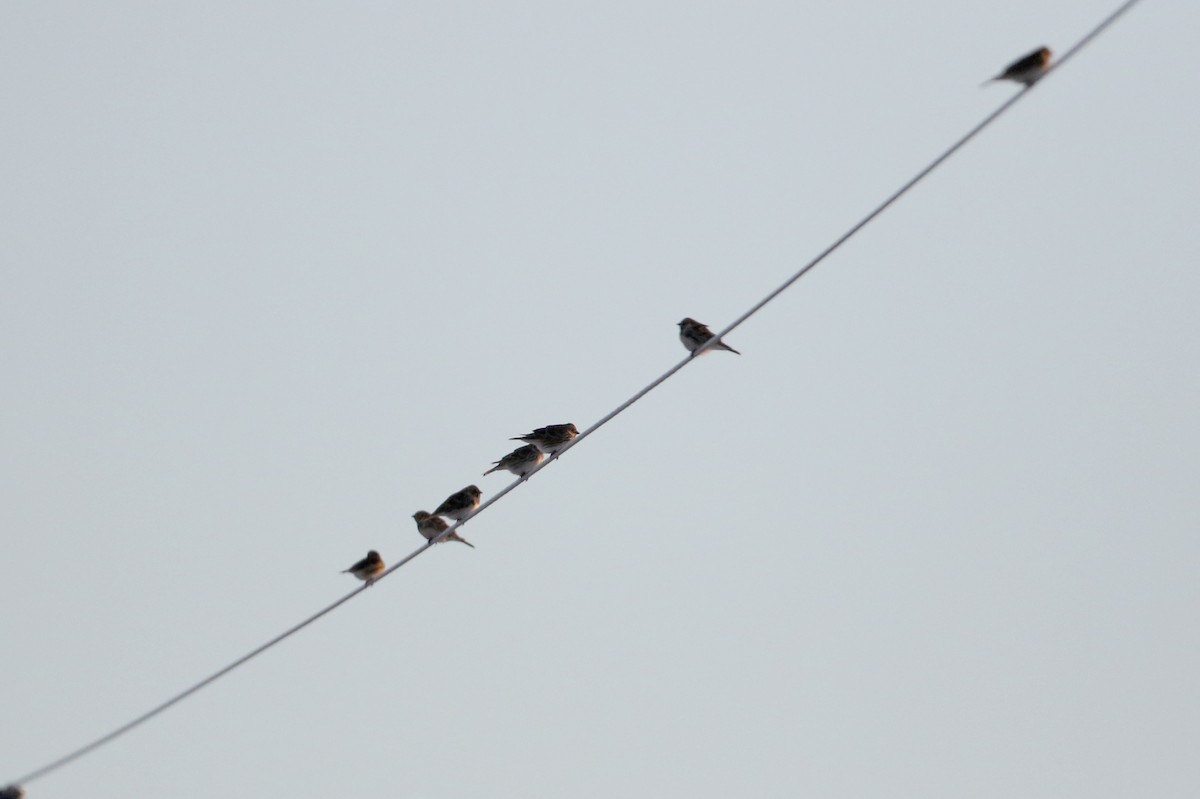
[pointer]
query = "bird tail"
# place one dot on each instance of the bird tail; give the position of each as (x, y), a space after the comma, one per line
(991, 80)
(721, 345)
(457, 537)
(493, 469)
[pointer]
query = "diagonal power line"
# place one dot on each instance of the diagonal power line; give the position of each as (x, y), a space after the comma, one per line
(850, 233)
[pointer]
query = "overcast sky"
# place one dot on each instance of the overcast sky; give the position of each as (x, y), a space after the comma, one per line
(276, 275)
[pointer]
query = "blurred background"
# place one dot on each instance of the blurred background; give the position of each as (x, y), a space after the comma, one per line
(275, 277)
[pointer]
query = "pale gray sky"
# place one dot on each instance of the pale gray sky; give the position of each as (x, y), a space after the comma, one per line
(276, 277)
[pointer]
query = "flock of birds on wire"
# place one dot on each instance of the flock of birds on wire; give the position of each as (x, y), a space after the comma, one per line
(542, 442)
(550, 440)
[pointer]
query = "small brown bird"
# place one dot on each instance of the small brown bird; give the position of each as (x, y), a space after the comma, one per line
(12, 792)
(368, 569)
(521, 461)
(432, 526)
(461, 504)
(1026, 69)
(693, 335)
(551, 438)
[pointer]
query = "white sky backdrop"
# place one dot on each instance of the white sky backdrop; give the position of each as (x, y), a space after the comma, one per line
(276, 277)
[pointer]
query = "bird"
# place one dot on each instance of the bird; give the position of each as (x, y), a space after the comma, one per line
(12, 792)
(1026, 69)
(432, 526)
(461, 504)
(551, 438)
(368, 569)
(521, 461)
(693, 335)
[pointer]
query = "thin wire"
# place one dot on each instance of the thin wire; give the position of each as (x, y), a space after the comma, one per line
(96, 744)
(866, 220)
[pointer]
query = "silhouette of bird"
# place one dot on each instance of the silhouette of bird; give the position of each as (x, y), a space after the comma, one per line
(693, 335)
(432, 526)
(368, 569)
(551, 438)
(521, 461)
(1026, 69)
(461, 504)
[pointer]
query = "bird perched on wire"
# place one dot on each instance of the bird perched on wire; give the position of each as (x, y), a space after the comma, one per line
(460, 505)
(693, 335)
(368, 569)
(1026, 69)
(432, 526)
(521, 461)
(551, 438)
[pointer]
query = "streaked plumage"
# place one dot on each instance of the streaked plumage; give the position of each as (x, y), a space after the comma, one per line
(369, 568)
(432, 526)
(521, 461)
(551, 438)
(461, 504)
(693, 335)
(1026, 69)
